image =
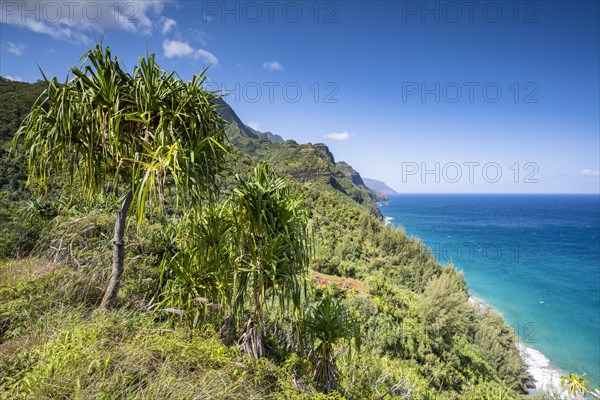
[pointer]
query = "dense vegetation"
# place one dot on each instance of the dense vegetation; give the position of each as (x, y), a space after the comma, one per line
(283, 283)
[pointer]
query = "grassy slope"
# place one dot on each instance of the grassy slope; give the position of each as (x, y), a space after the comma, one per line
(420, 334)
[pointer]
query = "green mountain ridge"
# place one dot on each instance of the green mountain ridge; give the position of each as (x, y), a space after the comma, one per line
(306, 163)
(231, 117)
(421, 338)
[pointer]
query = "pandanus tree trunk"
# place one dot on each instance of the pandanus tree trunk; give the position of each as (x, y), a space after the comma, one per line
(325, 372)
(251, 340)
(118, 257)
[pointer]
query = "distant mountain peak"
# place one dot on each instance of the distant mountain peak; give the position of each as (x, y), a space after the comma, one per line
(379, 186)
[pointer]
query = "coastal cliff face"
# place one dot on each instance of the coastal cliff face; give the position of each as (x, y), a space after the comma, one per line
(379, 187)
(420, 335)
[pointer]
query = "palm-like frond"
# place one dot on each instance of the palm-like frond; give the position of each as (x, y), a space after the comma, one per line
(576, 385)
(273, 242)
(140, 129)
(198, 275)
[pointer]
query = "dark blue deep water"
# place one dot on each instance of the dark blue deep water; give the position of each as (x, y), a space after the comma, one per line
(535, 258)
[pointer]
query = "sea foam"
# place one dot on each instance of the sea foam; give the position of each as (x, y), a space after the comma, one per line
(547, 377)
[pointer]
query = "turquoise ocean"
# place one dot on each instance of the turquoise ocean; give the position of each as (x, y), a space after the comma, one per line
(535, 258)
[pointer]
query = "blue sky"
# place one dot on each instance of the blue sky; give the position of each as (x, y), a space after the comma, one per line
(427, 96)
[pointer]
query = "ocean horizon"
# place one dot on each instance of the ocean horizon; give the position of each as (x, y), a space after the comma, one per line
(533, 257)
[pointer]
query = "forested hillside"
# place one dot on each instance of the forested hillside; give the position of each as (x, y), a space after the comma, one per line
(284, 284)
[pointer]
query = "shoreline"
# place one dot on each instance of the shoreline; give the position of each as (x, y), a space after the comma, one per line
(537, 365)
(546, 376)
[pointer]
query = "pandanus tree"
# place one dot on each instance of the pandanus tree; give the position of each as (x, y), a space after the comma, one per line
(197, 276)
(272, 253)
(327, 324)
(146, 132)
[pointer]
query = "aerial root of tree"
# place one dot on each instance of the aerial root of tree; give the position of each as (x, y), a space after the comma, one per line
(325, 372)
(251, 339)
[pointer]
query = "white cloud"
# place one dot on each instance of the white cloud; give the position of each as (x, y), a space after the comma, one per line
(73, 20)
(590, 172)
(254, 125)
(13, 78)
(177, 48)
(338, 136)
(272, 66)
(207, 57)
(14, 48)
(167, 25)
